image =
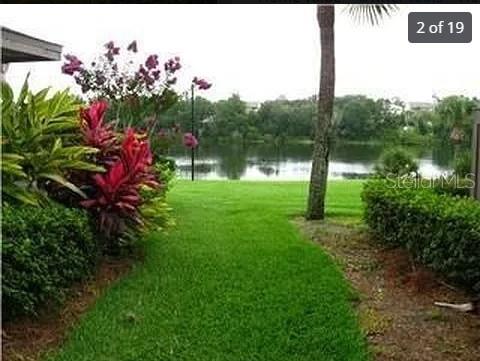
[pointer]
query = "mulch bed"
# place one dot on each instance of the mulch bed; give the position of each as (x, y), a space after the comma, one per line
(28, 338)
(396, 299)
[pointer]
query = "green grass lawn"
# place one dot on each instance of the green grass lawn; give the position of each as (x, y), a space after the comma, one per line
(234, 280)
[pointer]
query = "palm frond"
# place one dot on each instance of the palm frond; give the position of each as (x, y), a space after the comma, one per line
(372, 14)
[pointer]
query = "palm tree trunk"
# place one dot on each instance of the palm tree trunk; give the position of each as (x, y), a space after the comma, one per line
(318, 178)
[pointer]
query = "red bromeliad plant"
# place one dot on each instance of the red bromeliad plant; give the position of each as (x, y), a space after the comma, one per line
(97, 133)
(117, 198)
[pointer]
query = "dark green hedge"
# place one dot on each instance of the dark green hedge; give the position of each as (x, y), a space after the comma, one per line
(441, 231)
(454, 187)
(44, 250)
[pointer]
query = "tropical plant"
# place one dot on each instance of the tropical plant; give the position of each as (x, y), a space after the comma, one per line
(116, 197)
(40, 143)
(454, 119)
(372, 13)
(97, 133)
(155, 211)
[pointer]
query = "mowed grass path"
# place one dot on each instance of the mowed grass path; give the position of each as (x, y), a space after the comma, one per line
(234, 280)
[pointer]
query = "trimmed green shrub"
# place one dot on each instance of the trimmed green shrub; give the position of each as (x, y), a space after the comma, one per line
(44, 250)
(456, 187)
(440, 231)
(396, 162)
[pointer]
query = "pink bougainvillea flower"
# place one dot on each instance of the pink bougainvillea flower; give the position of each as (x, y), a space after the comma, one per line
(152, 61)
(172, 65)
(112, 50)
(144, 75)
(202, 84)
(72, 65)
(142, 72)
(156, 74)
(132, 46)
(190, 141)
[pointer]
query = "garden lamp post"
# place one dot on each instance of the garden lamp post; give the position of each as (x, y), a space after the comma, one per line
(193, 130)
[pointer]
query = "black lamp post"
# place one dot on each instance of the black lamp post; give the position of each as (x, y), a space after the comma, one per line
(193, 130)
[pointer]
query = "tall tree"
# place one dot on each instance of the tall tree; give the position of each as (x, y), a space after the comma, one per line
(372, 13)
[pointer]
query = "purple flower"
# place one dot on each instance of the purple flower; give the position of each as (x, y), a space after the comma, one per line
(110, 45)
(190, 141)
(142, 71)
(132, 46)
(172, 65)
(152, 61)
(201, 83)
(156, 74)
(144, 75)
(72, 65)
(112, 50)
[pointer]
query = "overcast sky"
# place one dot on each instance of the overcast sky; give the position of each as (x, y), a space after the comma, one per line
(258, 51)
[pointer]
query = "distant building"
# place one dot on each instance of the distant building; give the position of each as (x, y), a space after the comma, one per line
(415, 106)
(252, 106)
(207, 120)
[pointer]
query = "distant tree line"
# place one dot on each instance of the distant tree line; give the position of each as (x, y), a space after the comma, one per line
(356, 118)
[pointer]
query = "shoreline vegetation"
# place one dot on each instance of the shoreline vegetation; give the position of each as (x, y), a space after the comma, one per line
(308, 141)
(356, 119)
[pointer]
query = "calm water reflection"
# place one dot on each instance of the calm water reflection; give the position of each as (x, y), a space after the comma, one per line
(293, 161)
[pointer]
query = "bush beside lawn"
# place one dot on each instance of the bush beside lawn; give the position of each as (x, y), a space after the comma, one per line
(44, 250)
(441, 231)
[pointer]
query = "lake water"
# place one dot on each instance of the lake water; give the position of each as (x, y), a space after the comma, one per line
(293, 161)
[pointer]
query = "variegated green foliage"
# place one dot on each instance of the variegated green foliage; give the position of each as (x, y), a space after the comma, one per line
(40, 143)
